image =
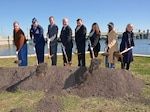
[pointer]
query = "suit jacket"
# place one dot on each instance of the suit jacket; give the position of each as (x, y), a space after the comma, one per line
(80, 38)
(66, 37)
(52, 33)
(38, 36)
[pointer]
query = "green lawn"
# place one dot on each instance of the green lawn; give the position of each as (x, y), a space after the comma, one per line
(140, 68)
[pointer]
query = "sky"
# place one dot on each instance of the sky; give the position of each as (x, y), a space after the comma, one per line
(120, 12)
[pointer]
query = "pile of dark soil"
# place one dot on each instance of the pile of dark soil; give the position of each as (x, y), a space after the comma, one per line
(81, 81)
(12, 76)
(48, 104)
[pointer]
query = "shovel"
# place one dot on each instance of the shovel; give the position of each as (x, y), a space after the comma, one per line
(76, 52)
(119, 55)
(66, 64)
(105, 52)
(91, 50)
(35, 56)
(17, 61)
(92, 53)
(49, 56)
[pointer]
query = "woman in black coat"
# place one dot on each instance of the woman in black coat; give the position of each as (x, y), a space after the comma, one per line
(127, 42)
(94, 37)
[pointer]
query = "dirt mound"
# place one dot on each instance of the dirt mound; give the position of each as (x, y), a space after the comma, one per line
(49, 103)
(12, 76)
(108, 83)
(81, 81)
(52, 78)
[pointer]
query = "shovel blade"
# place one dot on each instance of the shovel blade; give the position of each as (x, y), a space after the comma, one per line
(118, 55)
(76, 53)
(105, 54)
(50, 56)
(67, 64)
(17, 61)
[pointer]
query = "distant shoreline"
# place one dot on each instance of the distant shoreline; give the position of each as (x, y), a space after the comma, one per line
(137, 35)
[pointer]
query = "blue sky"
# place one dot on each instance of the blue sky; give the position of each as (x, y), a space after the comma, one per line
(121, 12)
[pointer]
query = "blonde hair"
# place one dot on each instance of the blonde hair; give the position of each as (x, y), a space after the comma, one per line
(130, 25)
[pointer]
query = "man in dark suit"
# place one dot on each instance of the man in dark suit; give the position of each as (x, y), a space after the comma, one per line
(52, 40)
(67, 45)
(80, 38)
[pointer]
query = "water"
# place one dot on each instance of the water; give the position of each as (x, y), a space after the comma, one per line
(141, 47)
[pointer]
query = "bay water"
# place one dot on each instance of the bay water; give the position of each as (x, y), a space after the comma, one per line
(142, 46)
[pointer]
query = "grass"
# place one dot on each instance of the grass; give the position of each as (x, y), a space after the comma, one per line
(27, 100)
(99, 104)
(141, 65)
(19, 99)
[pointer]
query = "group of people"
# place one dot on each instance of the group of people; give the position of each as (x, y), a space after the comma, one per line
(37, 35)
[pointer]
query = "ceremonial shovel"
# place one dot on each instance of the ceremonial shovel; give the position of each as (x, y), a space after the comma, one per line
(119, 55)
(66, 64)
(49, 56)
(17, 61)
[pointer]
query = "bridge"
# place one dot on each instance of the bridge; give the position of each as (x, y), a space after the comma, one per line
(137, 35)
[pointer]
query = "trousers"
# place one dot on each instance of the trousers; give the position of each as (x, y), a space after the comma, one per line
(40, 54)
(22, 55)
